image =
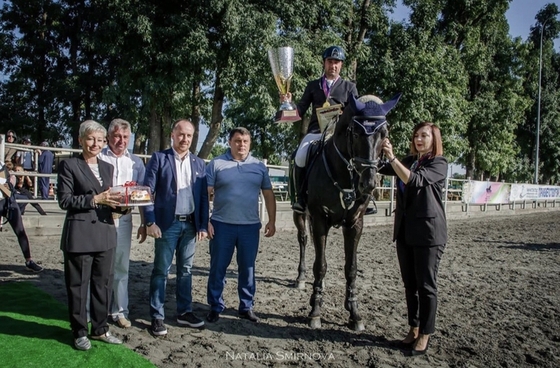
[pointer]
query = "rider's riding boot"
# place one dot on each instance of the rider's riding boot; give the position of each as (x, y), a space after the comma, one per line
(301, 189)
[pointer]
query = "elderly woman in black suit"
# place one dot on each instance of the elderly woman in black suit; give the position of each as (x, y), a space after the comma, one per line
(420, 227)
(89, 236)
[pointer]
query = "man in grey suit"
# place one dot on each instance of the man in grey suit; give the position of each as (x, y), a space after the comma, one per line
(177, 220)
(128, 168)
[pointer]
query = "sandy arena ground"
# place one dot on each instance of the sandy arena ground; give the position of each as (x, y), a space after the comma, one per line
(498, 287)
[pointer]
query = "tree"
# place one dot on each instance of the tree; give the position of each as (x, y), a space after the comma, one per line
(549, 167)
(429, 73)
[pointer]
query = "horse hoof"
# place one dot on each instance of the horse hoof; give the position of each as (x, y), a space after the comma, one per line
(300, 285)
(315, 322)
(356, 325)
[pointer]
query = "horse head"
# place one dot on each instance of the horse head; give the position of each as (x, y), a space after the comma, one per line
(364, 125)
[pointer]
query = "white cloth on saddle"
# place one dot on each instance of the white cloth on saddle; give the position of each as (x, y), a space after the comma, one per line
(301, 154)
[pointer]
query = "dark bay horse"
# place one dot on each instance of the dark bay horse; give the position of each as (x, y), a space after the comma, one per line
(341, 179)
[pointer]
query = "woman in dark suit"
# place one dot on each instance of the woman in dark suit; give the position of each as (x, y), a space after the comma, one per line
(420, 227)
(89, 236)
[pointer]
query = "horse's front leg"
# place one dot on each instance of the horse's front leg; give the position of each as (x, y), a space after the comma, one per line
(351, 239)
(299, 221)
(319, 235)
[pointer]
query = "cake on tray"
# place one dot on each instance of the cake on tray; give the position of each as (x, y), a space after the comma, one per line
(133, 195)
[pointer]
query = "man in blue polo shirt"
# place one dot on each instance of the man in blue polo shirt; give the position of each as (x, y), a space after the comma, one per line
(236, 180)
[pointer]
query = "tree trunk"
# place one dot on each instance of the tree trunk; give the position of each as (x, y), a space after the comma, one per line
(470, 165)
(165, 136)
(215, 123)
(155, 131)
(195, 114)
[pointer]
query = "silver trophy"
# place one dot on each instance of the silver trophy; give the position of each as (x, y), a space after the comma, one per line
(282, 63)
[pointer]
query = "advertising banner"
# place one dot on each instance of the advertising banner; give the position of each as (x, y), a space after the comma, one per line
(523, 192)
(481, 192)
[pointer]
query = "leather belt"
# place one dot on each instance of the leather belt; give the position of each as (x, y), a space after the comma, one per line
(118, 215)
(185, 218)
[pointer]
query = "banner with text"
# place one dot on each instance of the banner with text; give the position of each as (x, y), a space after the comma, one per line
(522, 192)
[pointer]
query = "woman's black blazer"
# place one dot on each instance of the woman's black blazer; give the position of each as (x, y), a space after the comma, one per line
(86, 228)
(420, 211)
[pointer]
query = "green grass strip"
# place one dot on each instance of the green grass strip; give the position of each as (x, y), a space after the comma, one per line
(35, 332)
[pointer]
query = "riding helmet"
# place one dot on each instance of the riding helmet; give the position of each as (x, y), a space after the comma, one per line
(334, 52)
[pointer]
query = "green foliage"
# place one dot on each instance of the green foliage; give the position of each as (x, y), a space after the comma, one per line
(154, 62)
(432, 79)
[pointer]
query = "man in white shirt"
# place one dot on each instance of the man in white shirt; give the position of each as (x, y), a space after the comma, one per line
(128, 168)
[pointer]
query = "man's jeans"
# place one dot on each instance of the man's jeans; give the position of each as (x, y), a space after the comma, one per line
(179, 238)
(119, 303)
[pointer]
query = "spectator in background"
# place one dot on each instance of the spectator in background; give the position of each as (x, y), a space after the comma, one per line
(25, 158)
(46, 159)
(9, 210)
(23, 188)
(10, 152)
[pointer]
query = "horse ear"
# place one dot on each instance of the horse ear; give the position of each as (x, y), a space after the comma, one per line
(356, 104)
(388, 106)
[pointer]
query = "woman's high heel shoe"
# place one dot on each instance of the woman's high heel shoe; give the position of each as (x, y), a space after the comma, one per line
(414, 352)
(412, 334)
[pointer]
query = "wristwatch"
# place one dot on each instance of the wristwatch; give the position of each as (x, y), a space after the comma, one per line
(148, 224)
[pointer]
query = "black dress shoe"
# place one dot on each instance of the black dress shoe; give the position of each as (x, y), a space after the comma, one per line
(414, 352)
(213, 317)
(250, 315)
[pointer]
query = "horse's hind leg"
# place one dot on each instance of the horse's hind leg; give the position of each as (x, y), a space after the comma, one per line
(351, 239)
(299, 221)
(319, 272)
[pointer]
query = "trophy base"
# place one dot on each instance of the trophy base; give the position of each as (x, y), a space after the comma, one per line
(287, 116)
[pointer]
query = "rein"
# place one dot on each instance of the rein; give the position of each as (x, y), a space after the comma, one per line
(354, 164)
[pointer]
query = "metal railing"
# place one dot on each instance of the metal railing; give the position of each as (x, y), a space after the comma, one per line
(385, 193)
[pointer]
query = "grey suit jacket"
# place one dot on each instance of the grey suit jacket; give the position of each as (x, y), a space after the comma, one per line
(86, 228)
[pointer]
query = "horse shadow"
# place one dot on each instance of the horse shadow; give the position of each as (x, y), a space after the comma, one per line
(539, 247)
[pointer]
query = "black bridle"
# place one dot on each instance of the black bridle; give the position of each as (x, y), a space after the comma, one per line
(367, 125)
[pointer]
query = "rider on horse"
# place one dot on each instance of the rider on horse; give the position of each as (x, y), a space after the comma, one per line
(328, 90)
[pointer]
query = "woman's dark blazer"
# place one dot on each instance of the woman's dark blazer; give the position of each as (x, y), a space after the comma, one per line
(420, 207)
(86, 228)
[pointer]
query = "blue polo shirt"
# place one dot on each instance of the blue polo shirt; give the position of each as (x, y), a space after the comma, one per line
(237, 186)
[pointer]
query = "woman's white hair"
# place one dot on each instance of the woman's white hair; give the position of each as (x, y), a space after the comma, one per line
(91, 126)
